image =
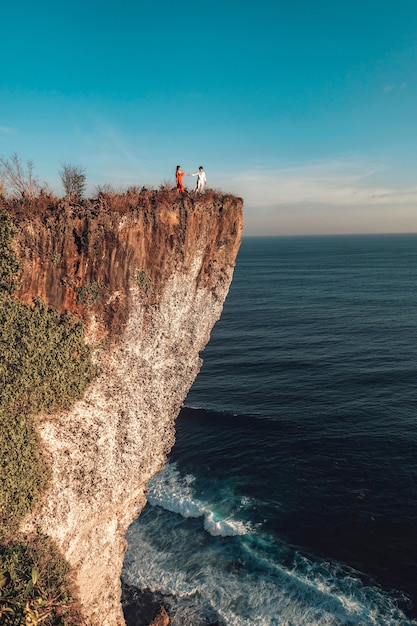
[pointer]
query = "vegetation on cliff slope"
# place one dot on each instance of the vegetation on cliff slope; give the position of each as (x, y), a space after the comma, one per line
(44, 365)
(34, 586)
(9, 265)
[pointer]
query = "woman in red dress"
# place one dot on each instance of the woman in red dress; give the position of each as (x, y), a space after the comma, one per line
(178, 175)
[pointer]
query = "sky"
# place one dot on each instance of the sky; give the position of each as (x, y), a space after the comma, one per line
(307, 109)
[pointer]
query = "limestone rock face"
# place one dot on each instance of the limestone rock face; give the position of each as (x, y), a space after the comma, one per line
(150, 283)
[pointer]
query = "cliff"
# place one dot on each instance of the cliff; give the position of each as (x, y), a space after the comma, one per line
(148, 275)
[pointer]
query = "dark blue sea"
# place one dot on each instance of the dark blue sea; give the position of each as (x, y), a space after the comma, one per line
(290, 496)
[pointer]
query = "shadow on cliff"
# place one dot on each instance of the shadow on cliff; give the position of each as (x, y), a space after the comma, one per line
(85, 257)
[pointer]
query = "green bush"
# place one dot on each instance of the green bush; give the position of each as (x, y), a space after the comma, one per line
(23, 471)
(34, 585)
(89, 293)
(9, 265)
(44, 362)
(144, 281)
(45, 365)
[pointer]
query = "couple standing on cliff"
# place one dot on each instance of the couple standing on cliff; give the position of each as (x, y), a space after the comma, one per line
(201, 179)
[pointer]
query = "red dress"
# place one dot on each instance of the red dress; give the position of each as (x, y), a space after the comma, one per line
(180, 184)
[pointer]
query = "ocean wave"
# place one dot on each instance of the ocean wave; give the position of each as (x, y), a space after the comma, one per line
(221, 586)
(173, 492)
(196, 410)
(240, 575)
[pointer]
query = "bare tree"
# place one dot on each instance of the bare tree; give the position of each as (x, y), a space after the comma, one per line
(73, 180)
(104, 189)
(18, 178)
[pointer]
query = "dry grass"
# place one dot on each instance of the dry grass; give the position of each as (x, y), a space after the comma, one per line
(109, 200)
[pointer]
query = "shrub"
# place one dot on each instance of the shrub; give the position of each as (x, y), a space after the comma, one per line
(21, 181)
(73, 180)
(9, 265)
(34, 585)
(144, 281)
(89, 293)
(44, 365)
(104, 189)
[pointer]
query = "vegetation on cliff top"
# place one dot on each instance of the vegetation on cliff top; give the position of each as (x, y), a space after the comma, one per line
(111, 201)
(20, 190)
(45, 365)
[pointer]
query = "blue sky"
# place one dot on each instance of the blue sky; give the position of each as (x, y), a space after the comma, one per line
(305, 108)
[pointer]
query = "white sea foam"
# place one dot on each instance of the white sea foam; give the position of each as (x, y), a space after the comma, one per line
(224, 527)
(250, 580)
(305, 593)
(173, 492)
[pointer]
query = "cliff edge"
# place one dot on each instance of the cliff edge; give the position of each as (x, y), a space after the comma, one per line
(148, 275)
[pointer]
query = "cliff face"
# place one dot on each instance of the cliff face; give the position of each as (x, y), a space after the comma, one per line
(149, 282)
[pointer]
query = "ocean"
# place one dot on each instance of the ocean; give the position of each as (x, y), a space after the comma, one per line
(289, 497)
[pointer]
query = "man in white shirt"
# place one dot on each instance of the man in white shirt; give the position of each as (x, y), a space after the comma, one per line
(201, 179)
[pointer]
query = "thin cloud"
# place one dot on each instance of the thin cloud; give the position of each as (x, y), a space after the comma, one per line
(394, 87)
(335, 183)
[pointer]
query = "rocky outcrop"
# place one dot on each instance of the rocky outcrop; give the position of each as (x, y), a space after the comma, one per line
(161, 618)
(149, 279)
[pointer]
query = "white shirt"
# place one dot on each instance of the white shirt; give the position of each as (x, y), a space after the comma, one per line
(202, 179)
